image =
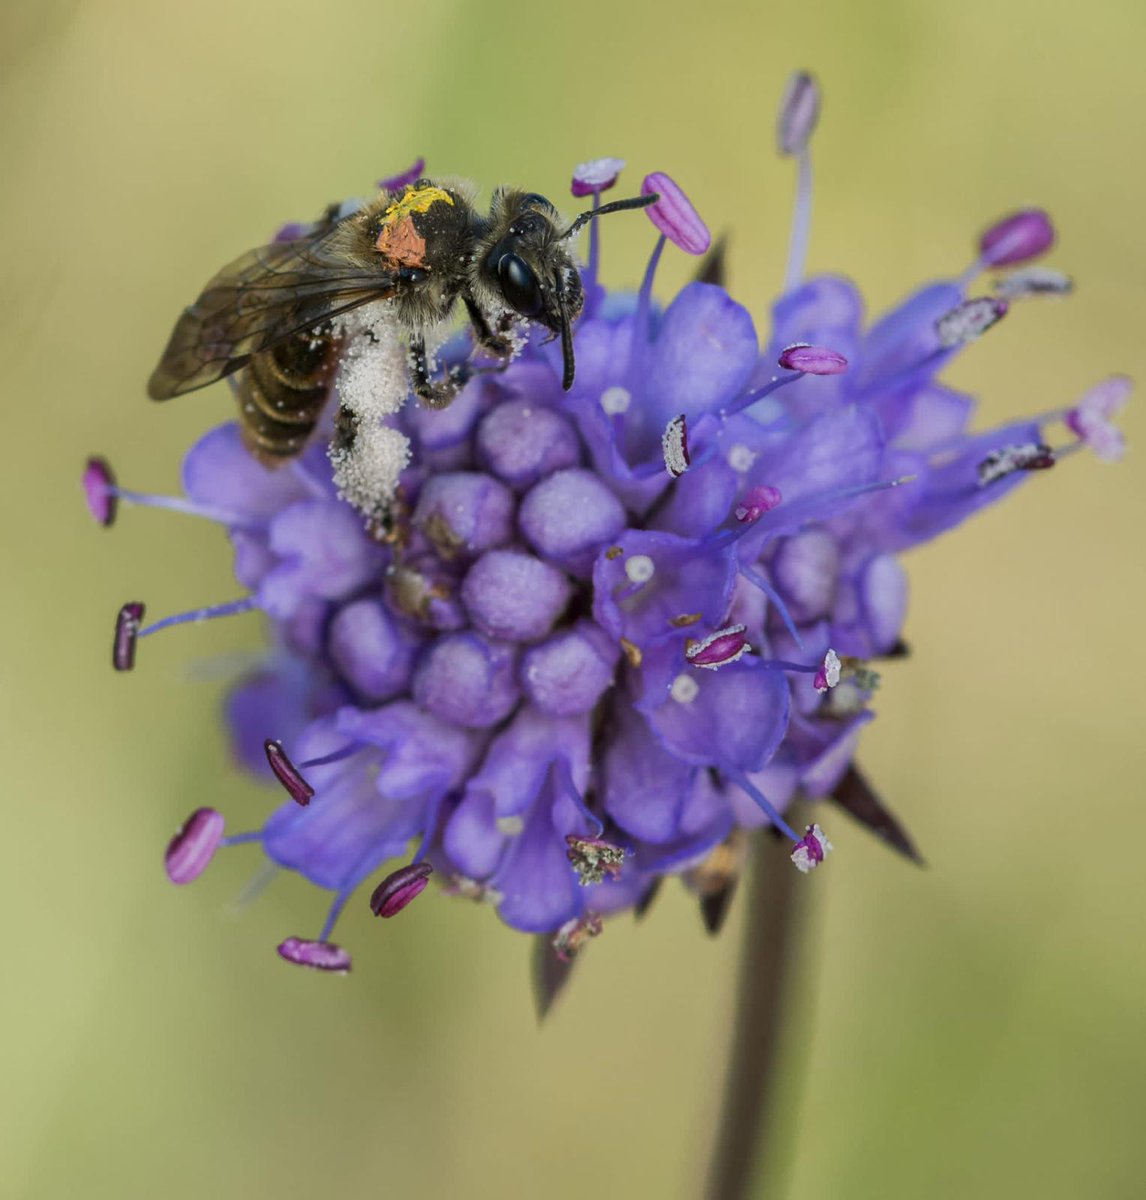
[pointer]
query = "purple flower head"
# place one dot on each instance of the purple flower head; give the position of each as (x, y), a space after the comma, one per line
(597, 635)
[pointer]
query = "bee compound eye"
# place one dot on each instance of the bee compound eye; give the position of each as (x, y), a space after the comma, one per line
(519, 285)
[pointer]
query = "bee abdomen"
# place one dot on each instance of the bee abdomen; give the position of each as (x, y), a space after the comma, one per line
(281, 395)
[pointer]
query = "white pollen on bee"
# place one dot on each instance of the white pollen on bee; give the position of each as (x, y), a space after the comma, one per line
(640, 568)
(684, 689)
(616, 400)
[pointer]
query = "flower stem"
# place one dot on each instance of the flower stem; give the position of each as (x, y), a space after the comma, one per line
(746, 1120)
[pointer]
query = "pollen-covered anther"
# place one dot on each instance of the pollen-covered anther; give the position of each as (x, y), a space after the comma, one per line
(718, 649)
(593, 859)
(399, 888)
(756, 502)
(1006, 460)
(1090, 422)
(287, 773)
(596, 175)
(810, 850)
(99, 490)
(127, 623)
(319, 956)
(1033, 281)
(969, 320)
(1017, 238)
(190, 851)
(812, 360)
(570, 939)
(828, 674)
(673, 214)
(674, 445)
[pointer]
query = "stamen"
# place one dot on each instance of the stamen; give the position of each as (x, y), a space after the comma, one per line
(1033, 281)
(969, 320)
(756, 502)
(757, 580)
(570, 939)
(126, 632)
(758, 393)
(674, 215)
(718, 649)
(799, 113)
(100, 491)
(616, 400)
(399, 888)
(201, 614)
(320, 956)
(596, 176)
(829, 673)
(594, 858)
(1090, 422)
(674, 446)
(1017, 238)
(811, 849)
(765, 806)
(640, 568)
(193, 846)
(287, 773)
(411, 174)
(1006, 460)
(813, 360)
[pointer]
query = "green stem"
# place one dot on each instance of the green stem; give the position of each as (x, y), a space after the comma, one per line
(746, 1120)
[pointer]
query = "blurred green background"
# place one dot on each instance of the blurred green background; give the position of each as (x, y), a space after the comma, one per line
(972, 1030)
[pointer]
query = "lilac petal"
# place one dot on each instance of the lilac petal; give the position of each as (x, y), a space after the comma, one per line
(806, 571)
(924, 418)
(569, 672)
(219, 471)
(471, 837)
(735, 721)
(399, 888)
(468, 680)
(320, 956)
(883, 597)
(705, 352)
(799, 112)
(465, 512)
(193, 847)
(99, 490)
(1017, 238)
(425, 758)
(902, 345)
(394, 183)
(522, 442)
(596, 175)
(687, 578)
(812, 360)
(645, 787)
(674, 215)
(282, 701)
(517, 597)
(822, 774)
(568, 517)
(700, 501)
(372, 649)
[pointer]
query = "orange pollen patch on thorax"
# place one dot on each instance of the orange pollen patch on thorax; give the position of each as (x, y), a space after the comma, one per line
(401, 243)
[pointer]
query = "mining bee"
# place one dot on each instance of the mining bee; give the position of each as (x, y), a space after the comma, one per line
(277, 312)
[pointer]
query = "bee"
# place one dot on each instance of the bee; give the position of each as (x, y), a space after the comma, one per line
(276, 313)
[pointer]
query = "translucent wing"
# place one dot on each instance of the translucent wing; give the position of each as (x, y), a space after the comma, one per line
(259, 300)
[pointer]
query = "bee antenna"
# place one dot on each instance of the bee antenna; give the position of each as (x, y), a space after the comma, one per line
(566, 340)
(612, 207)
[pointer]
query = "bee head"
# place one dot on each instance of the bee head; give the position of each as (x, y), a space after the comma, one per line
(532, 270)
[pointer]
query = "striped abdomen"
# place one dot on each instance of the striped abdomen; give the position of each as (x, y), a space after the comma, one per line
(281, 394)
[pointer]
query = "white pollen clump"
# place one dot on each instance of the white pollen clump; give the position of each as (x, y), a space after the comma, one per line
(740, 457)
(674, 446)
(616, 400)
(640, 568)
(969, 320)
(1034, 281)
(684, 689)
(803, 858)
(371, 384)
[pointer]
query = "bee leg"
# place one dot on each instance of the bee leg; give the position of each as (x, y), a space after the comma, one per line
(435, 393)
(495, 342)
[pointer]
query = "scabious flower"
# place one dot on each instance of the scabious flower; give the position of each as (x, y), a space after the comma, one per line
(605, 632)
